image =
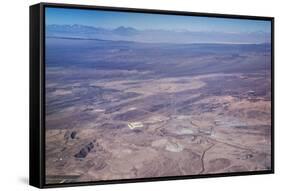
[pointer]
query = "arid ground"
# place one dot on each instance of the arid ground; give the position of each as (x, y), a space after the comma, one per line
(122, 110)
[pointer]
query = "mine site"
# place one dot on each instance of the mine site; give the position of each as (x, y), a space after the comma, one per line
(127, 110)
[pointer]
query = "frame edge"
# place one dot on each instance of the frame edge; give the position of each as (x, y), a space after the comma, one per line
(35, 158)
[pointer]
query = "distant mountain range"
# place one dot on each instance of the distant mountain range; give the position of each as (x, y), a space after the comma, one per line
(155, 36)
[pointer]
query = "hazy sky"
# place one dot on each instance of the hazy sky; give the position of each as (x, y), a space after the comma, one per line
(111, 19)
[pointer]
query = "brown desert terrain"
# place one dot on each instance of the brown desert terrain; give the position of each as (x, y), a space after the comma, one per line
(142, 112)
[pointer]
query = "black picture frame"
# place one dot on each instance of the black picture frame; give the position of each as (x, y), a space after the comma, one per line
(37, 94)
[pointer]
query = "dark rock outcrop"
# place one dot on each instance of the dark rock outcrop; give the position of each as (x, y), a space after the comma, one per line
(86, 149)
(73, 134)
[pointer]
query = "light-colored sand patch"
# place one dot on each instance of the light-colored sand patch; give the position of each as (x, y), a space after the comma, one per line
(184, 132)
(156, 119)
(151, 87)
(99, 110)
(161, 86)
(61, 92)
(134, 125)
(168, 145)
(132, 108)
(174, 147)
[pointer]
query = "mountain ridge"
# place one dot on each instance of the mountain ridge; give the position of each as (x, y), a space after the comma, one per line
(155, 35)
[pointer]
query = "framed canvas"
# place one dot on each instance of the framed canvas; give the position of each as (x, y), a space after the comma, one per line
(128, 95)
